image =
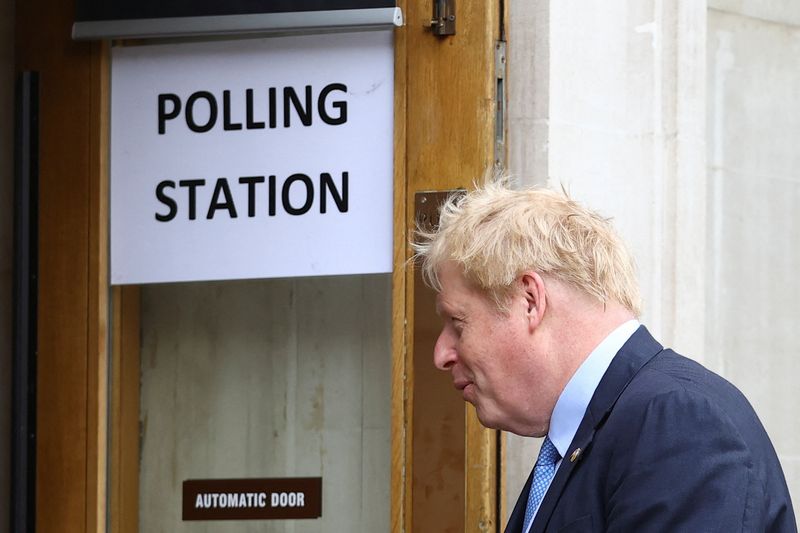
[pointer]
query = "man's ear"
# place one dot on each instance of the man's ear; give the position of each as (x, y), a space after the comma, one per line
(533, 291)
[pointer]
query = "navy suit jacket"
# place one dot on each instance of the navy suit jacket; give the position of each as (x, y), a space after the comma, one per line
(665, 446)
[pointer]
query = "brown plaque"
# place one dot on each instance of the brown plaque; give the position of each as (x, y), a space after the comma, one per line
(252, 499)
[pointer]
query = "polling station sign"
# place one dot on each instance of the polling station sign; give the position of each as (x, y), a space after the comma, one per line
(252, 158)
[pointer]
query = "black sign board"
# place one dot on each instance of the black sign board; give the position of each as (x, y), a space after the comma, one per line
(252, 499)
(87, 10)
(106, 19)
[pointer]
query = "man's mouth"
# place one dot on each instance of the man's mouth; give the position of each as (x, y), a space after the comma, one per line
(461, 384)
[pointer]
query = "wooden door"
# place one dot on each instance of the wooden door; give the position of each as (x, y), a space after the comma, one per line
(73, 288)
(445, 137)
(446, 468)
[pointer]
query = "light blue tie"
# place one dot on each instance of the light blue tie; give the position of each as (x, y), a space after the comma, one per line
(542, 474)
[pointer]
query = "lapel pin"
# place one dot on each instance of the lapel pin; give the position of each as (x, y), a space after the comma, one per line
(575, 455)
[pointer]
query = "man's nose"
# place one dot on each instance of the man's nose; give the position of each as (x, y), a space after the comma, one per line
(444, 351)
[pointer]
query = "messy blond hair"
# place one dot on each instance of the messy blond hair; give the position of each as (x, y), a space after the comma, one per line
(496, 233)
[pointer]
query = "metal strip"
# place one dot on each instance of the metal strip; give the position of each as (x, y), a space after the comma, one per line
(501, 108)
(23, 396)
(267, 23)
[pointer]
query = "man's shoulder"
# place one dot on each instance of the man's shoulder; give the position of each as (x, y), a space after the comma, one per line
(679, 438)
(671, 371)
(675, 398)
(672, 382)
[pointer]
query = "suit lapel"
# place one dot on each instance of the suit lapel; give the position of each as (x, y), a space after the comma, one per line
(633, 355)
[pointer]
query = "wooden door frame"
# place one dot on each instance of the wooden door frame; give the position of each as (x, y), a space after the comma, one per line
(73, 295)
(445, 108)
(444, 139)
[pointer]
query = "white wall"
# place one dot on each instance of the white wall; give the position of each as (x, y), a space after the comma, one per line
(608, 99)
(753, 252)
(6, 244)
(613, 100)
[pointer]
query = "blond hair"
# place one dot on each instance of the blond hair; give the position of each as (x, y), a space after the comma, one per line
(496, 233)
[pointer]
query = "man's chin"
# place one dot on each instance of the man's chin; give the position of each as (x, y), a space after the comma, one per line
(490, 419)
(494, 421)
(486, 419)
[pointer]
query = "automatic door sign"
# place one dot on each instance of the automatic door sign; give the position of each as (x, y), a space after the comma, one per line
(252, 158)
(252, 499)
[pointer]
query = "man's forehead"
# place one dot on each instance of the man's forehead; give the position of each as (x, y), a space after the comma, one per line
(456, 292)
(442, 302)
(450, 273)
(448, 301)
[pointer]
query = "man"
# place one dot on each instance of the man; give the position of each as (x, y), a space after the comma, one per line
(540, 304)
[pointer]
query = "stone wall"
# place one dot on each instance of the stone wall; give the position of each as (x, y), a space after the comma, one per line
(753, 250)
(680, 121)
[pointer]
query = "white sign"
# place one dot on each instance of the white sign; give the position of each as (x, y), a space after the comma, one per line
(252, 158)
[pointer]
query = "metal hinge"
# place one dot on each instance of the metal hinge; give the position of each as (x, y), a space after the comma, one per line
(500, 103)
(444, 17)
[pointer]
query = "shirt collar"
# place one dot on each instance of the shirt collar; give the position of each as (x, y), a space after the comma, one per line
(575, 398)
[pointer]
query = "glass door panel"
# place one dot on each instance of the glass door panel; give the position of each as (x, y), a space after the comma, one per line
(280, 378)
